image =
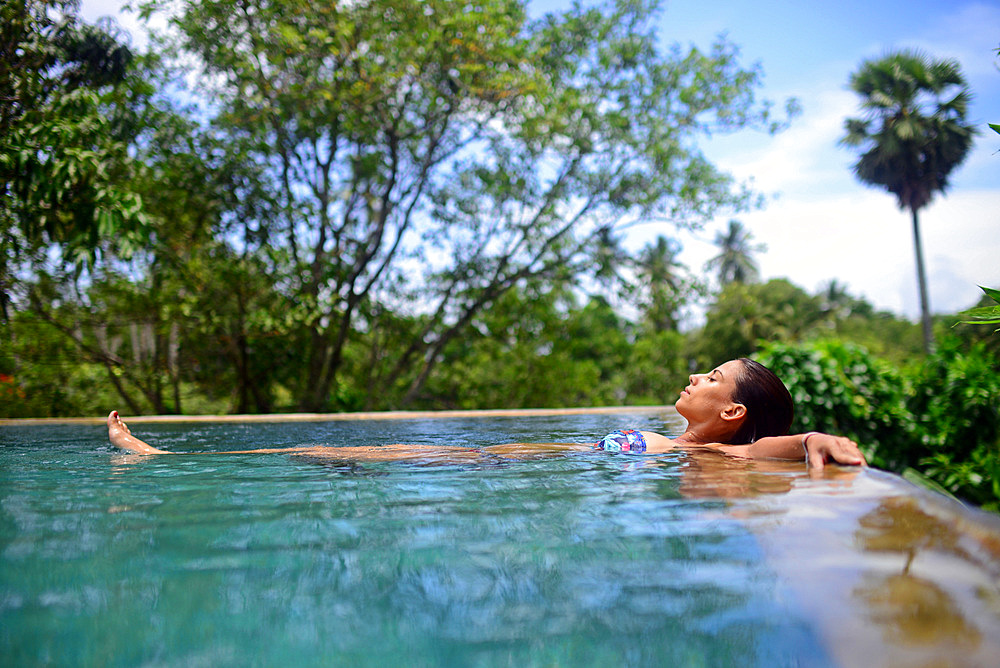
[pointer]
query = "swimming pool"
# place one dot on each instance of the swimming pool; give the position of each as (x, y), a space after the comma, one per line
(578, 559)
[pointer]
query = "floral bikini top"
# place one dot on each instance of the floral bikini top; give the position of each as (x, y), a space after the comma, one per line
(627, 440)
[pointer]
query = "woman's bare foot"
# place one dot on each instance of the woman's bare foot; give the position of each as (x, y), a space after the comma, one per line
(121, 437)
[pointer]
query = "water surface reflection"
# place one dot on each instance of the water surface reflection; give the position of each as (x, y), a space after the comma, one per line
(890, 575)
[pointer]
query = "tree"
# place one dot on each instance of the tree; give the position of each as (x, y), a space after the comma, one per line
(913, 134)
(745, 315)
(534, 347)
(735, 262)
(663, 289)
(62, 159)
(425, 159)
(221, 321)
(349, 110)
(839, 304)
(64, 165)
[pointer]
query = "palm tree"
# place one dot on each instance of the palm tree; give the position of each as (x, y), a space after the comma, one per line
(913, 134)
(659, 271)
(735, 262)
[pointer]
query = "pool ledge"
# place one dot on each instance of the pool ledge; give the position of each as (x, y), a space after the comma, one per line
(373, 415)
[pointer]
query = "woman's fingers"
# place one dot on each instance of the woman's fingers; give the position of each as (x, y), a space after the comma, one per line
(823, 448)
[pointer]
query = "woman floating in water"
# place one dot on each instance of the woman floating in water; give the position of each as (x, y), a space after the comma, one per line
(740, 408)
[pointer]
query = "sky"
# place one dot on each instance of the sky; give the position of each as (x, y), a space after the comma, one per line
(820, 223)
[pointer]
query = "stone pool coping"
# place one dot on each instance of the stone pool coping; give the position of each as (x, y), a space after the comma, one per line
(371, 415)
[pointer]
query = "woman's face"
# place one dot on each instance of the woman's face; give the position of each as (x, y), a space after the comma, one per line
(709, 394)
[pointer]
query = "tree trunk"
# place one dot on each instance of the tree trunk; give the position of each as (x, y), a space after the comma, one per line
(925, 311)
(173, 368)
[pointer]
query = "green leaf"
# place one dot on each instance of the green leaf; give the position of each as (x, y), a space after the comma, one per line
(991, 293)
(986, 315)
(983, 315)
(995, 127)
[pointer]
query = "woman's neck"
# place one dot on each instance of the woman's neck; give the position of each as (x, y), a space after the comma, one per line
(691, 438)
(700, 435)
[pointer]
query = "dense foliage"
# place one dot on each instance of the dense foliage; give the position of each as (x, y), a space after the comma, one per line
(63, 141)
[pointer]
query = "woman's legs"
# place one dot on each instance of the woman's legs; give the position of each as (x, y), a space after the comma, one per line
(121, 437)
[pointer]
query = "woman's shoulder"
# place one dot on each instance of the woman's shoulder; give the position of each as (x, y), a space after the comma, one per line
(657, 442)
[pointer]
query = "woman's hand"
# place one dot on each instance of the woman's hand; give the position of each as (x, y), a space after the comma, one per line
(822, 448)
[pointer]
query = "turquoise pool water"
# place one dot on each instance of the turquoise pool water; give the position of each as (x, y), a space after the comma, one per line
(577, 559)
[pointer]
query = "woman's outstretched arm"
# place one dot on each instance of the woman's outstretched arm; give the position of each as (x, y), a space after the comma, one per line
(817, 448)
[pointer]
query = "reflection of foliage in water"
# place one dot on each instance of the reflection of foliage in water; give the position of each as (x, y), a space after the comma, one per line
(911, 608)
(915, 611)
(898, 525)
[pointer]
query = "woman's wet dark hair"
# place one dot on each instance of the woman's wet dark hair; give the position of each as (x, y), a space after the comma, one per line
(768, 403)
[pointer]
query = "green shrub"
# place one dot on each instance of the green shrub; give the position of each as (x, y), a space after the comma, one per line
(840, 388)
(956, 400)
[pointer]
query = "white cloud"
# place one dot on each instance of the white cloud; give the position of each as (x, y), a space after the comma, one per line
(962, 241)
(805, 157)
(864, 241)
(92, 10)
